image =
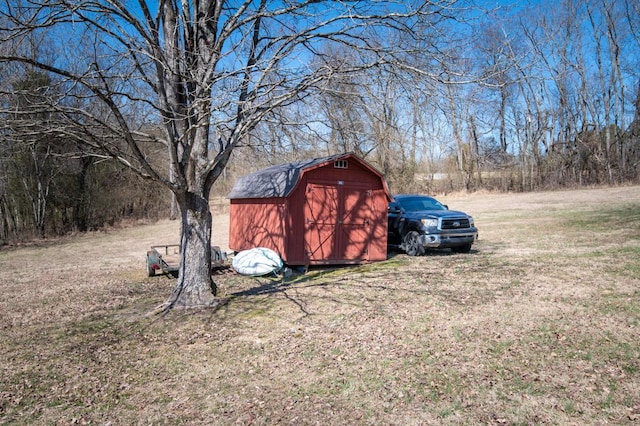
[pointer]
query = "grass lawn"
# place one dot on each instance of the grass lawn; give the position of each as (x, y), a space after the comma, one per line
(539, 324)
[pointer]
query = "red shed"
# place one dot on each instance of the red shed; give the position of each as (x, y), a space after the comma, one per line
(330, 210)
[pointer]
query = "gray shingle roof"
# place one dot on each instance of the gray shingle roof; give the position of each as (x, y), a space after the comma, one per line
(275, 181)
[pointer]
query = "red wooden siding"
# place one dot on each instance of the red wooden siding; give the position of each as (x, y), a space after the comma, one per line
(257, 223)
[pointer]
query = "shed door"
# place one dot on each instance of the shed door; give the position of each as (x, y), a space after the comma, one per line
(355, 229)
(321, 219)
(337, 223)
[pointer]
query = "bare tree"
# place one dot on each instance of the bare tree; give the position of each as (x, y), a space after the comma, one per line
(207, 72)
(32, 149)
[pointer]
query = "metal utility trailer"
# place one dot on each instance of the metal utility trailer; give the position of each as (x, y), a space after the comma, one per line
(165, 259)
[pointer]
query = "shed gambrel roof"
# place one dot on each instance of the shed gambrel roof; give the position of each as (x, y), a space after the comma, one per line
(277, 181)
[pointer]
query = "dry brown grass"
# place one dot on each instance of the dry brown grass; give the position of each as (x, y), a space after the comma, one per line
(540, 324)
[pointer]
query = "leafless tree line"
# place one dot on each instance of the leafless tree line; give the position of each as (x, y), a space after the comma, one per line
(523, 99)
(52, 185)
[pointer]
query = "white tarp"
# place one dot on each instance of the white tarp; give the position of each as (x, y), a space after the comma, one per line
(257, 261)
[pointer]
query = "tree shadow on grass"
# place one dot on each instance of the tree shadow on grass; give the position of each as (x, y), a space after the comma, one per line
(380, 283)
(282, 285)
(354, 285)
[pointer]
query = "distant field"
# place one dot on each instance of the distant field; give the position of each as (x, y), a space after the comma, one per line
(539, 324)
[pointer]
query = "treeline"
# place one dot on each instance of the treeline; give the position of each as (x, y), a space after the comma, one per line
(51, 184)
(518, 99)
(526, 98)
(48, 189)
(44, 193)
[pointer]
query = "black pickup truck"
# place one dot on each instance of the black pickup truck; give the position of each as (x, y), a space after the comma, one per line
(420, 222)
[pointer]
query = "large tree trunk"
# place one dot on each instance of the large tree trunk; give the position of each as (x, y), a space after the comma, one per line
(194, 287)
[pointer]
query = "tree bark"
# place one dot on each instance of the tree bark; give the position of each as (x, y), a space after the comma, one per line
(194, 288)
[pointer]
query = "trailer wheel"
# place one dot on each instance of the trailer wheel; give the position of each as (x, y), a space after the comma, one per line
(150, 271)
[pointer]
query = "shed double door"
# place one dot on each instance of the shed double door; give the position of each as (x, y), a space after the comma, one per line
(338, 219)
